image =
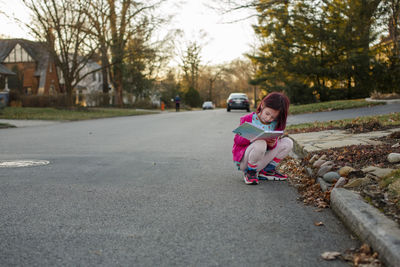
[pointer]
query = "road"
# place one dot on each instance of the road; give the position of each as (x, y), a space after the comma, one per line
(344, 114)
(150, 190)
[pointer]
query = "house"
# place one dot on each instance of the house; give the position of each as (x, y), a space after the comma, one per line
(27, 67)
(89, 88)
(34, 68)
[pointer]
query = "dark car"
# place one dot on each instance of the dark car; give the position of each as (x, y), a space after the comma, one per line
(237, 101)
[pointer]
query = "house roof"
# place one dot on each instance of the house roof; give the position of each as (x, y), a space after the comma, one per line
(37, 50)
(5, 71)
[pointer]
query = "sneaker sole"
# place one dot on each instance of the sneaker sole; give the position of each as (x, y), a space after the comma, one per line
(271, 178)
(250, 183)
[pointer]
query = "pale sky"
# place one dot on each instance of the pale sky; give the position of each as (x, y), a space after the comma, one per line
(224, 41)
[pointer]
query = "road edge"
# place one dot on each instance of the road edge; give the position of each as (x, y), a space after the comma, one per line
(368, 224)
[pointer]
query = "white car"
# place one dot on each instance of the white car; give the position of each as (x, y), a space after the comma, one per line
(208, 105)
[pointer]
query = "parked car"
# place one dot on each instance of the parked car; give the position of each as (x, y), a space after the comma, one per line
(238, 101)
(208, 105)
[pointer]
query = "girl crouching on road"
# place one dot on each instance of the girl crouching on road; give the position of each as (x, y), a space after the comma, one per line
(258, 160)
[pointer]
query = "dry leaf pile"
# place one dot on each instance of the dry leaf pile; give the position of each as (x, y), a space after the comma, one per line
(360, 156)
(309, 190)
(363, 256)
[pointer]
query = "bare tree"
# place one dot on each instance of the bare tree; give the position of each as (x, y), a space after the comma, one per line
(190, 64)
(210, 75)
(238, 6)
(61, 25)
(125, 18)
(394, 27)
(123, 29)
(97, 16)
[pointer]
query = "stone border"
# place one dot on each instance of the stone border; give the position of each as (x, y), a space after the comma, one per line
(369, 224)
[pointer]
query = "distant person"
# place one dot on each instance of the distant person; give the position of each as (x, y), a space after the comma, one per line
(177, 102)
(258, 160)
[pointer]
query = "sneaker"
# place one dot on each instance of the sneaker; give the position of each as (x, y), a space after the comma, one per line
(250, 177)
(273, 175)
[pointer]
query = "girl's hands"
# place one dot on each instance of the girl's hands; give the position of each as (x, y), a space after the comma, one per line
(271, 142)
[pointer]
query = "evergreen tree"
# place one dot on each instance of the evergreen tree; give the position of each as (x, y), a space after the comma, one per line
(316, 48)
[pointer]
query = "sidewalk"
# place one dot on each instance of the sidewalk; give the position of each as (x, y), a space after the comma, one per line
(388, 101)
(367, 222)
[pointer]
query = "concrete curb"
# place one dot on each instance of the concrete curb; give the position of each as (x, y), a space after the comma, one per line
(387, 101)
(369, 224)
(298, 149)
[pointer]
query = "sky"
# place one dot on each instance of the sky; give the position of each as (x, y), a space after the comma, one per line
(223, 41)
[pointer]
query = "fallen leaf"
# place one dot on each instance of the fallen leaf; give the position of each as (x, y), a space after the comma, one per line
(330, 255)
(365, 249)
(318, 223)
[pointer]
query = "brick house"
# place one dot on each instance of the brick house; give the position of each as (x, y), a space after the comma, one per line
(35, 70)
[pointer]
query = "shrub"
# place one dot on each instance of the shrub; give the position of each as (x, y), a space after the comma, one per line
(42, 101)
(192, 98)
(144, 103)
(14, 96)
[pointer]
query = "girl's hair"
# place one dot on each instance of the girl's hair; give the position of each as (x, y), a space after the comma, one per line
(276, 101)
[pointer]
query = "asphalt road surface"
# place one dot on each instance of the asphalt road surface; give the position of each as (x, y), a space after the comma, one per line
(344, 114)
(150, 190)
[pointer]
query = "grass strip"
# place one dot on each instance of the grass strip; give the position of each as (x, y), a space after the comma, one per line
(392, 119)
(6, 125)
(331, 105)
(17, 113)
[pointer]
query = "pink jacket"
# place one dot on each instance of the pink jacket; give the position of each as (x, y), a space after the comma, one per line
(240, 144)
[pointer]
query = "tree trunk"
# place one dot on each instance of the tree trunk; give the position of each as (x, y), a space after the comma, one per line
(104, 71)
(70, 100)
(118, 84)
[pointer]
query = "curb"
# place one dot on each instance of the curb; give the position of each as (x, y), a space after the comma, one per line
(387, 101)
(367, 222)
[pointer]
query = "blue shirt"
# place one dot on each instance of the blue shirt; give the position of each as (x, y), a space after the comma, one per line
(267, 127)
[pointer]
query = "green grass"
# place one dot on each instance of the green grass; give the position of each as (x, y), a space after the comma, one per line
(15, 113)
(392, 119)
(331, 105)
(390, 178)
(6, 125)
